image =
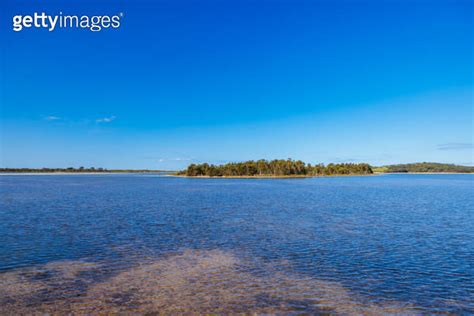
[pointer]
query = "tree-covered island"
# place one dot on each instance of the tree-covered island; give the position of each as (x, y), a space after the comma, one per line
(275, 168)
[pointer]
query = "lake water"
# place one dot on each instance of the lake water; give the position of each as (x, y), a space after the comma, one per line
(131, 243)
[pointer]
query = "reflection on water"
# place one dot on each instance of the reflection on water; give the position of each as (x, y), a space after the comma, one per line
(87, 244)
(193, 281)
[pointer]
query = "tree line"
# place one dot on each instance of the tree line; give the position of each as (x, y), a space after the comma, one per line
(277, 167)
(71, 170)
(427, 167)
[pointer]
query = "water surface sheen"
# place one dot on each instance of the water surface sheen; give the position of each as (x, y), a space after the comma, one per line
(401, 244)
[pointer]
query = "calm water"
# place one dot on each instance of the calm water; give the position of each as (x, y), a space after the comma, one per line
(401, 244)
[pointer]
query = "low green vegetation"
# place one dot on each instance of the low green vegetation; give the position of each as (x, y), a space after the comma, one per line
(425, 167)
(379, 169)
(275, 168)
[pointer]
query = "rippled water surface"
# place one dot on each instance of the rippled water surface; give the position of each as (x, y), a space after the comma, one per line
(86, 244)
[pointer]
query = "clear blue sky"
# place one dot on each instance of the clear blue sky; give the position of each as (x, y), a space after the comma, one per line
(180, 82)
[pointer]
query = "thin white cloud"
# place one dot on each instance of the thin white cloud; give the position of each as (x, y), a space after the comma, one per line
(105, 119)
(174, 159)
(52, 118)
(455, 146)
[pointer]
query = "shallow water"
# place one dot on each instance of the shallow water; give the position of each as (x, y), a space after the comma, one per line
(82, 244)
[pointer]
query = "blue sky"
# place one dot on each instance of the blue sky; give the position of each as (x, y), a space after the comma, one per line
(190, 81)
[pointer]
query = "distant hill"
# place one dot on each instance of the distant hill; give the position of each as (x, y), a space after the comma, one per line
(425, 167)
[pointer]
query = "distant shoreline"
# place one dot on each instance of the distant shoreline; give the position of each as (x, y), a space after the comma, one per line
(80, 173)
(425, 172)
